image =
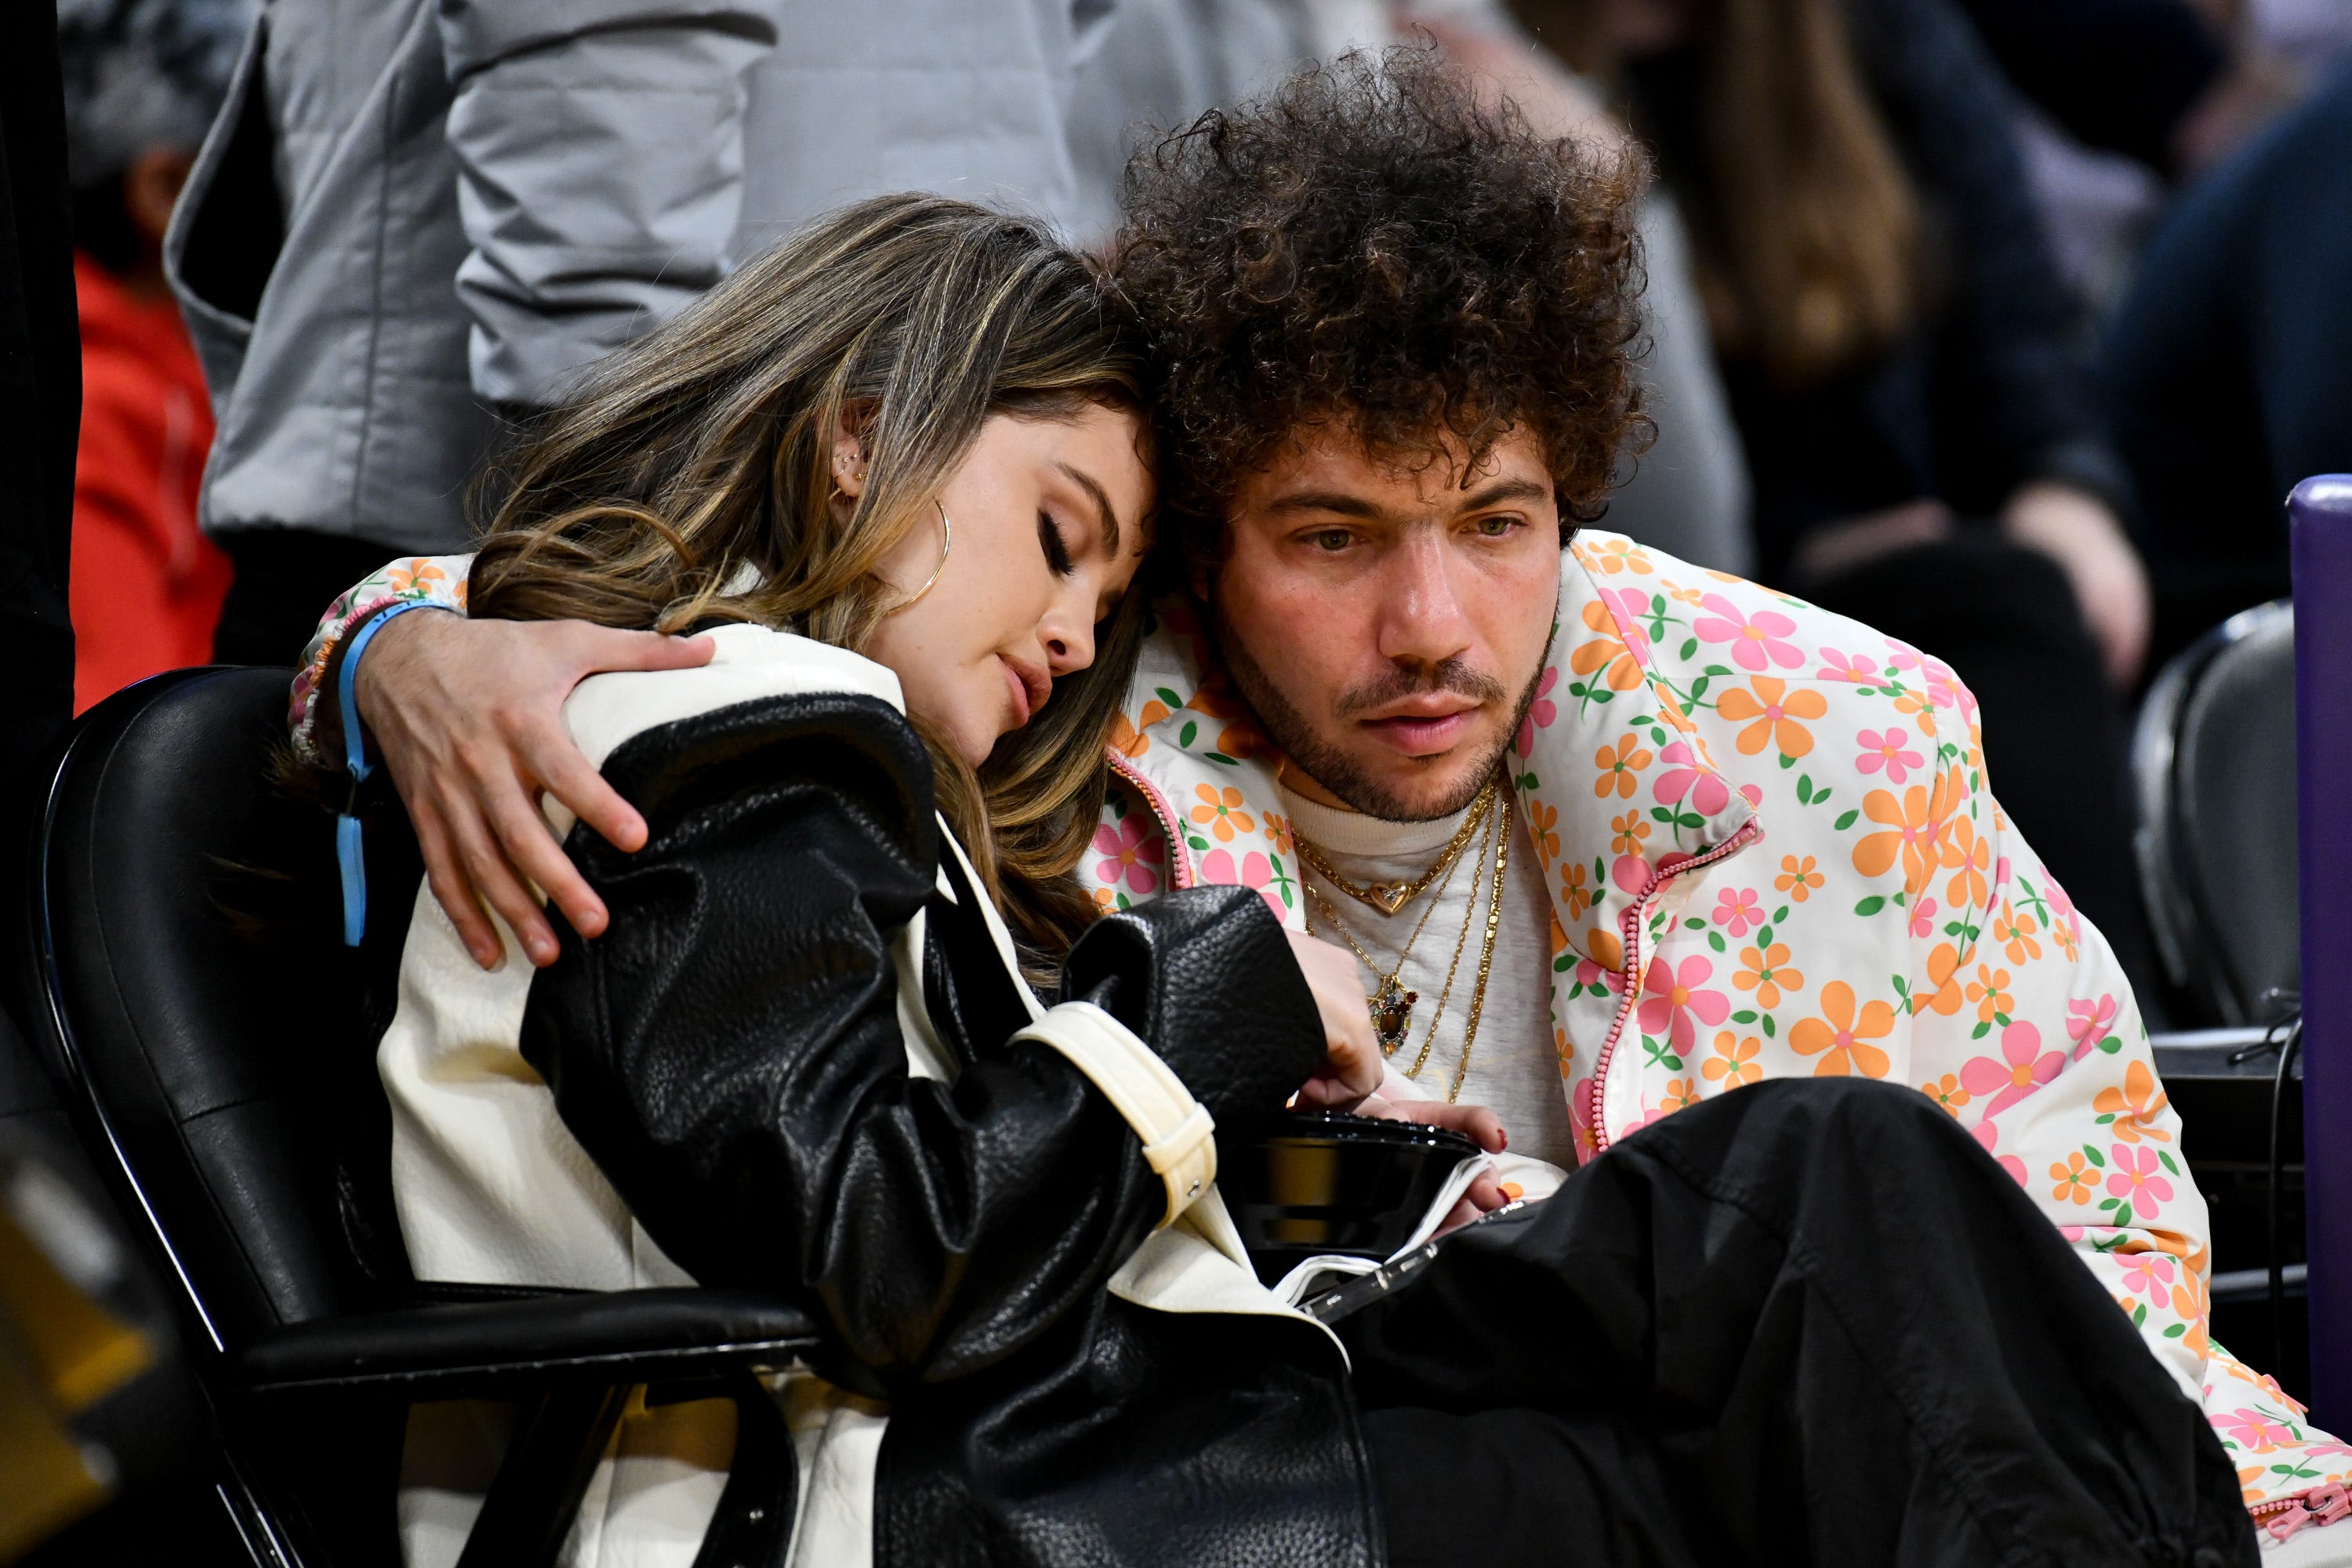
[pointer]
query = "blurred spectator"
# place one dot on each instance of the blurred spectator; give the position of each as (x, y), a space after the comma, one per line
(2118, 75)
(141, 79)
(1162, 62)
(1908, 372)
(414, 218)
(2230, 364)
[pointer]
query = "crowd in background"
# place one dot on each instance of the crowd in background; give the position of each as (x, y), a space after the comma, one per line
(2019, 319)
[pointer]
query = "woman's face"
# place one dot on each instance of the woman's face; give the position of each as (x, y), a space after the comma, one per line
(1047, 516)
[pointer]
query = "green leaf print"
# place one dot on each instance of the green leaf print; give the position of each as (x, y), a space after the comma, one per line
(2092, 1155)
(1745, 1015)
(1869, 906)
(1847, 820)
(1715, 941)
(1184, 736)
(2165, 1159)
(1804, 789)
(1787, 760)
(1768, 1026)
(1221, 757)
(1690, 647)
(1168, 697)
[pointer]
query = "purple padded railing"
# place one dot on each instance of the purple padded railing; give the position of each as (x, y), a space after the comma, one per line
(2320, 515)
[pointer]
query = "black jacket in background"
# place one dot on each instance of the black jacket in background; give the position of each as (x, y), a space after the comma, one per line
(2230, 365)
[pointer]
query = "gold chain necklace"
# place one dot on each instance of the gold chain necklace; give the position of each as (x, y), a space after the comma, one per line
(1390, 1004)
(1446, 994)
(1486, 953)
(1390, 897)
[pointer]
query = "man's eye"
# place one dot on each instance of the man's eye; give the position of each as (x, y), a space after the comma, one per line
(1496, 527)
(1049, 540)
(1333, 539)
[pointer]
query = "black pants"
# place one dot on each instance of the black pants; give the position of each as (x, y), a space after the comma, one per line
(2056, 732)
(1809, 1321)
(285, 579)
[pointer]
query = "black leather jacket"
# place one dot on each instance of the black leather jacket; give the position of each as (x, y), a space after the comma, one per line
(730, 1054)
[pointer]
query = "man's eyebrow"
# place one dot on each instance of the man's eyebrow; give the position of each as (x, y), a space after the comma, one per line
(1109, 519)
(1336, 501)
(1503, 490)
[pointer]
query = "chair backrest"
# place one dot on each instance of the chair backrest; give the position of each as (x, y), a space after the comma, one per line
(2214, 761)
(214, 1038)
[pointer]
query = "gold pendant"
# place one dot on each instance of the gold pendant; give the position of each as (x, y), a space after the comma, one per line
(1390, 896)
(1392, 1010)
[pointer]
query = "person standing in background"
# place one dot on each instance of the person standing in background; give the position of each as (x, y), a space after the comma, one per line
(415, 221)
(142, 78)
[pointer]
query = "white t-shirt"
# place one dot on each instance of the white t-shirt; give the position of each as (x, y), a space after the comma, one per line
(1514, 1067)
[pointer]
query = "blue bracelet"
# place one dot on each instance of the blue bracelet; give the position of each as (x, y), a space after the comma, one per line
(348, 849)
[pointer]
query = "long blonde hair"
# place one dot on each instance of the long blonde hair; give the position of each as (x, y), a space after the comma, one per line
(706, 448)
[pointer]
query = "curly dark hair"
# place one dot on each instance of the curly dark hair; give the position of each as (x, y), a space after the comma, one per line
(1369, 243)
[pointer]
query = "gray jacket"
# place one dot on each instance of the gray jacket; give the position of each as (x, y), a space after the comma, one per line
(412, 214)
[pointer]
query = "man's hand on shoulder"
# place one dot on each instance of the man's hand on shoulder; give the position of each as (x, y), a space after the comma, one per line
(467, 715)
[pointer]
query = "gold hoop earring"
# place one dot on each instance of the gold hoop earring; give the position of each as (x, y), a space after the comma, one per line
(947, 542)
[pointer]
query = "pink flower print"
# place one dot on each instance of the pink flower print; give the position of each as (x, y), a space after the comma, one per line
(1675, 1001)
(2254, 1431)
(1858, 670)
(1254, 871)
(2017, 1074)
(1541, 712)
(2149, 1273)
(1684, 776)
(1988, 1136)
(1736, 910)
(1580, 1118)
(1128, 855)
(1889, 749)
(1627, 606)
(1757, 641)
(2138, 1179)
(2088, 1023)
(1923, 919)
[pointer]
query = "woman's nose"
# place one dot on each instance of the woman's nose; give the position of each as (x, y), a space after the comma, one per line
(1069, 645)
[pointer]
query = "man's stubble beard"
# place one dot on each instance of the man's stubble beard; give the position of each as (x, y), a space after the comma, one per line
(1333, 768)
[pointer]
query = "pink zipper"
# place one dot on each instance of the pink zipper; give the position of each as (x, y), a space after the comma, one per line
(1635, 920)
(2282, 1516)
(1179, 864)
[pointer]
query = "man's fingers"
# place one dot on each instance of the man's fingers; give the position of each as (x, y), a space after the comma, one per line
(452, 892)
(603, 649)
(564, 774)
(494, 878)
(532, 850)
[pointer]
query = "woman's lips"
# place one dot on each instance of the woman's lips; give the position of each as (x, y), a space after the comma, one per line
(1422, 735)
(1019, 689)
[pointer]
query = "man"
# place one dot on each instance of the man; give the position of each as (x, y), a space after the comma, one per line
(1663, 832)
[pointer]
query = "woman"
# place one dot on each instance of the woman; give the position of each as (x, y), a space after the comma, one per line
(898, 461)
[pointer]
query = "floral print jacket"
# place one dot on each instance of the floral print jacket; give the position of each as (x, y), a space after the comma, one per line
(1772, 851)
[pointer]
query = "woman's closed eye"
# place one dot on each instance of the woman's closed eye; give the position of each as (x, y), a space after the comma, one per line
(1049, 540)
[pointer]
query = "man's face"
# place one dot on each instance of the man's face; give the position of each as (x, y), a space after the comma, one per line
(1388, 626)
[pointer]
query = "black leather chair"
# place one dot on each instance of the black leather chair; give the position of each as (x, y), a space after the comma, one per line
(2214, 766)
(215, 1043)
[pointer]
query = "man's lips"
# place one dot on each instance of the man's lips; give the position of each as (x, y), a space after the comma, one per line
(1418, 733)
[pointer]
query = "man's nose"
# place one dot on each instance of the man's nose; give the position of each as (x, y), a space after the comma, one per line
(1421, 618)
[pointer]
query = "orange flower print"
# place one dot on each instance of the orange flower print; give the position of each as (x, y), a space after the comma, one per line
(1775, 712)
(1104, 899)
(1618, 765)
(1842, 1037)
(2015, 932)
(1543, 826)
(1733, 1060)
(1573, 891)
(2076, 1180)
(1606, 655)
(1968, 855)
(1940, 993)
(1989, 992)
(1798, 878)
(416, 574)
(2131, 1110)
(1914, 826)
(1686, 596)
(1626, 834)
(1948, 1092)
(1127, 738)
(1612, 556)
(1765, 972)
(1220, 812)
(1680, 1091)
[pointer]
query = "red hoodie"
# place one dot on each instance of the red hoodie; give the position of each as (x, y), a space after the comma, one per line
(147, 586)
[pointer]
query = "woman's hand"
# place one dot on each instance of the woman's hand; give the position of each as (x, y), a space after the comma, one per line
(1353, 1065)
(468, 715)
(2077, 530)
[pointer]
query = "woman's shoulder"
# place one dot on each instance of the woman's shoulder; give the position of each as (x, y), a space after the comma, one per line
(750, 663)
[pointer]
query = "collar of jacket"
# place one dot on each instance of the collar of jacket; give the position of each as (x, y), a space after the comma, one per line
(1187, 746)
